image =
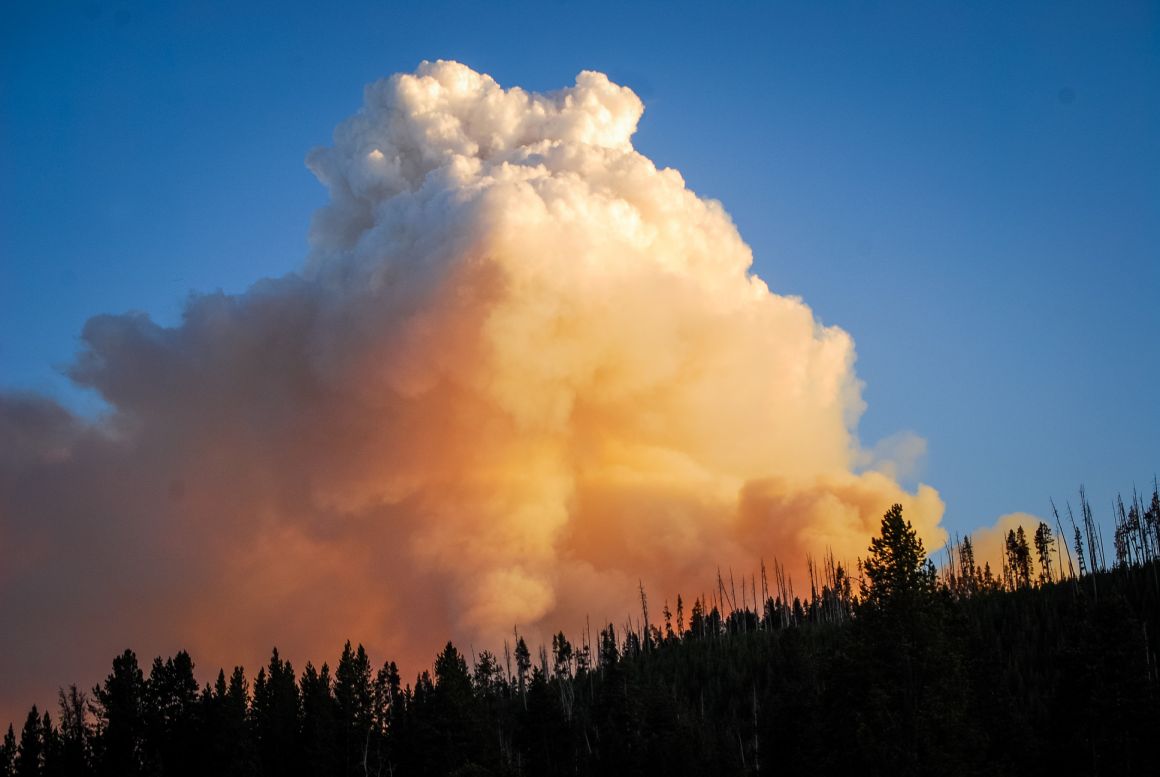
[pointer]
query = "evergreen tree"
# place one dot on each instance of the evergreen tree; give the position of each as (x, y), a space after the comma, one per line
(120, 709)
(897, 572)
(30, 756)
(74, 735)
(697, 620)
(487, 675)
(171, 703)
(969, 574)
(352, 694)
(453, 711)
(382, 690)
(1044, 543)
(275, 715)
(320, 728)
(908, 695)
(8, 753)
(1018, 559)
(225, 707)
(1152, 520)
(1079, 552)
(50, 745)
(523, 664)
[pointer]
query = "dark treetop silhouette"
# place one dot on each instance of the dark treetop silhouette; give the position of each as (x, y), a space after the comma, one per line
(970, 672)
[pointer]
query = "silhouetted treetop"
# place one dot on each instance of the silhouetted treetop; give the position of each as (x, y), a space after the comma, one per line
(897, 571)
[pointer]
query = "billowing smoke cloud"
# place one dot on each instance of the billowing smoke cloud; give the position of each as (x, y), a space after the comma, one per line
(990, 542)
(521, 369)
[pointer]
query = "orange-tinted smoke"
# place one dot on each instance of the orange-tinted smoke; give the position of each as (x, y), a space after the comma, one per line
(521, 370)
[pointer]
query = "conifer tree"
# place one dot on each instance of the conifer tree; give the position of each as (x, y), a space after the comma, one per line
(523, 664)
(30, 756)
(487, 673)
(171, 700)
(120, 707)
(318, 721)
(352, 694)
(1044, 542)
(74, 733)
(49, 747)
(1023, 553)
(897, 572)
(1018, 566)
(697, 620)
(8, 753)
(276, 712)
(1079, 552)
(968, 572)
(224, 711)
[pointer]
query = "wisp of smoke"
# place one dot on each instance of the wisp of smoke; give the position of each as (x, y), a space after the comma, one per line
(521, 369)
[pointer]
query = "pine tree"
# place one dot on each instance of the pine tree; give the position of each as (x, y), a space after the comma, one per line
(1018, 567)
(487, 673)
(352, 695)
(227, 739)
(8, 753)
(171, 700)
(968, 572)
(319, 722)
(1152, 519)
(120, 707)
(451, 672)
(49, 747)
(897, 572)
(562, 672)
(276, 713)
(523, 664)
(381, 698)
(697, 620)
(1079, 552)
(30, 756)
(1044, 542)
(74, 732)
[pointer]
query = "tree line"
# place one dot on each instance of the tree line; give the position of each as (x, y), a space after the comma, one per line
(894, 667)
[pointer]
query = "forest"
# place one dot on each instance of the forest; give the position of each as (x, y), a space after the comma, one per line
(894, 666)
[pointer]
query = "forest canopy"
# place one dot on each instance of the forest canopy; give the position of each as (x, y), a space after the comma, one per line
(893, 667)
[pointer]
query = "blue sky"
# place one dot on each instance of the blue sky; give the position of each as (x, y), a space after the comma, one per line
(972, 192)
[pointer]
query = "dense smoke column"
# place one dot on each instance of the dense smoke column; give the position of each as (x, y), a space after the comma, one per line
(521, 369)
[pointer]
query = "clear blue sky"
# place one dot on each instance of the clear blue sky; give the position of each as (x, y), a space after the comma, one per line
(971, 189)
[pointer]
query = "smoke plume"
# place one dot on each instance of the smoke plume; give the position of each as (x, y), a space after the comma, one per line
(520, 370)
